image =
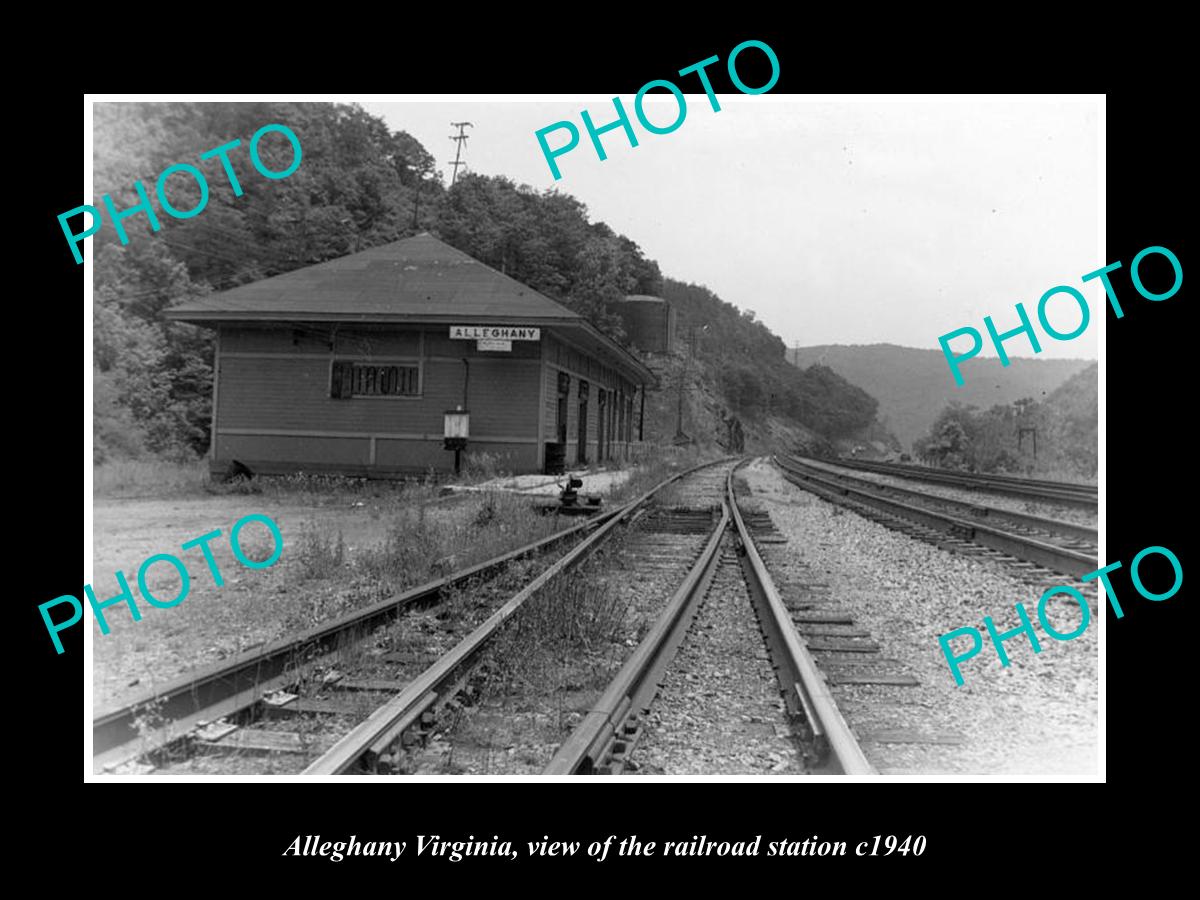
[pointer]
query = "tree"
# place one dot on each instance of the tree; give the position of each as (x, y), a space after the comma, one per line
(158, 372)
(949, 442)
(359, 185)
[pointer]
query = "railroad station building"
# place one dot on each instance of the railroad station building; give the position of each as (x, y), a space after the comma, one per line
(353, 366)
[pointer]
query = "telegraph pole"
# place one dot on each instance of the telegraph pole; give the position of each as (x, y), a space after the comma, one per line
(459, 139)
(680, 436)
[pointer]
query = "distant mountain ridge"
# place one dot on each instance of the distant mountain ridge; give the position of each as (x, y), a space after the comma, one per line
(913, 385)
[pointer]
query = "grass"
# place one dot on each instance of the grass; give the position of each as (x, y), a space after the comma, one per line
(149, 478)
(483, 466)
(426, 540)
(571, 614)
(656, 467)
(428, 544)
(569, 635)
(377, 539)
(565, 640)
(319, 554)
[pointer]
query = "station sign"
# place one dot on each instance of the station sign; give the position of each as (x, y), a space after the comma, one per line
(490, 344)
(494, 333)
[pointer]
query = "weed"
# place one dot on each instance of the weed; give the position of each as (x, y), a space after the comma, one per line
(319, 555)
(430, 543)
(149, 477)
(148, 721)
(484, 466)
(568, 618)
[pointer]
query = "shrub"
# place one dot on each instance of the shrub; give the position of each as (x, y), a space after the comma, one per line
(320, 555)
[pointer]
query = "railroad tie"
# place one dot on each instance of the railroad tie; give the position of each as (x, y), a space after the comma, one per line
(894, 679)
(822, 618)
(306, 706)
(831, 631)
(911, 736)
(261, 740)
(832, 645)
(382, 685)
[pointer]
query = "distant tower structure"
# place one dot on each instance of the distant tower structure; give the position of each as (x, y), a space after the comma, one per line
(459, 139)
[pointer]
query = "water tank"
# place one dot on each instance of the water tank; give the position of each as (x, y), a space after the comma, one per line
(649, 323)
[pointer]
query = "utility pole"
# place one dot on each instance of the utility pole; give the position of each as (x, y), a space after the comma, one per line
(459, 139)
(1025, 425)
(681, 437)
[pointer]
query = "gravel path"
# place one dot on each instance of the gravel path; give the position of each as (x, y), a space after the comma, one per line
(719, 711)
(1039, 716)
(983, 498)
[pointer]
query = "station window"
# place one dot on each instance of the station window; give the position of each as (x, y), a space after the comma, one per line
(352, 379)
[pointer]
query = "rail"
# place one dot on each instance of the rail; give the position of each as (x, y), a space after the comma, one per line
(606, 732)
(1051, 556)
(367, 741)
(635, 685)
(838, 752)
(232, 686)
(1060, 492)
(977, 510)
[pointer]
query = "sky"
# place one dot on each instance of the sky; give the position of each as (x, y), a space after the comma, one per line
(835, 221)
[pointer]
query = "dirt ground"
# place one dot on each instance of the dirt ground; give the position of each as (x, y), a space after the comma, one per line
(257, 605)
(252, 606)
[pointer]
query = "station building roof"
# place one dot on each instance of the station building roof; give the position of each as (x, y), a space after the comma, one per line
(417, 280)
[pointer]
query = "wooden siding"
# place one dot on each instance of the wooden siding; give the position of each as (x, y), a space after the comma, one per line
(276, 412)
(562, 357)
(281, 454)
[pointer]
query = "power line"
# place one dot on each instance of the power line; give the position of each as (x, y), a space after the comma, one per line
(459, 139)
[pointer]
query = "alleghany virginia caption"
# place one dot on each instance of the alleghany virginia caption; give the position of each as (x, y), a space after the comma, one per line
(698, 845)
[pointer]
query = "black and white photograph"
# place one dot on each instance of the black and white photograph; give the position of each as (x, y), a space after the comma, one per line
(692, 434)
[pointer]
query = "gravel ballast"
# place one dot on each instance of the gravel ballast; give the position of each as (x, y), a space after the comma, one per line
(719, 711)
(1039, 716)
(542, 682)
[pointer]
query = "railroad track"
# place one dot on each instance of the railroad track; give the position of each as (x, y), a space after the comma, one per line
(379, 705)
(1071, 535)
(607, 740)
(214, 709)
(1083, 496)
(1029, 543)
(661, 534)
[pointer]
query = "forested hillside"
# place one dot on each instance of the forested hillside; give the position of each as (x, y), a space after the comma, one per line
(753, 371)
(914, 385)
(990, 440)
(360, 185)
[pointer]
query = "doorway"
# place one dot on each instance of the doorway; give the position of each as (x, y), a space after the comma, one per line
(601, 424)
(581, 450)
(564, 392)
